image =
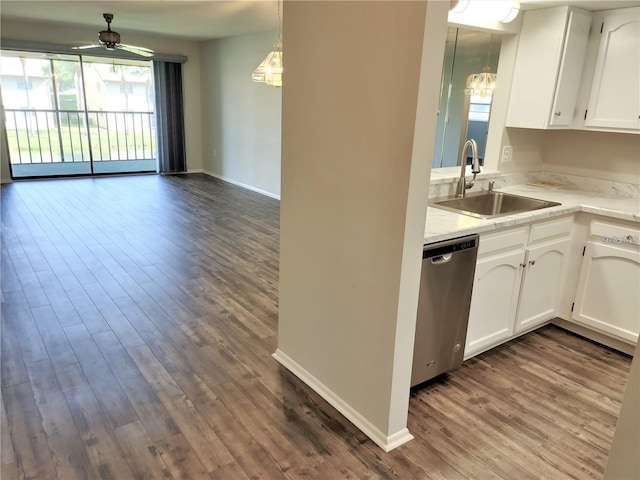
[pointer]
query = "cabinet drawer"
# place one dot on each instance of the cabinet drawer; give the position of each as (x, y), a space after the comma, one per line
(616, 235)
(551, 229)
(504, 240)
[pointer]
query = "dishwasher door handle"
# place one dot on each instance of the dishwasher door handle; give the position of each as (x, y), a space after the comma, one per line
(440, 259)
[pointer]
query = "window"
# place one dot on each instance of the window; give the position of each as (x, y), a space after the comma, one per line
(77, 115)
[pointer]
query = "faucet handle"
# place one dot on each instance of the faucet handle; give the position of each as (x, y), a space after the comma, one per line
(491, 185)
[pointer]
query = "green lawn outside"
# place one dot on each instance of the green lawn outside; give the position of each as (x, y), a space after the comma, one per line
(106, 145)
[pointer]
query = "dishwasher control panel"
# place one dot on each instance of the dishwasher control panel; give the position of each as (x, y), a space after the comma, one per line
(450, 246)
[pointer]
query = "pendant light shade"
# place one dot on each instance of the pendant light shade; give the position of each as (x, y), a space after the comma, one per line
(481, 84)
(270, 69)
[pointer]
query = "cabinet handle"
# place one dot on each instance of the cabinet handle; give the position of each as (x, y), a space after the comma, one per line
(523, 265)
(557, 114)
(532, 262)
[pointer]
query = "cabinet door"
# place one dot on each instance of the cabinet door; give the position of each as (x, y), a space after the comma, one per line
(494, 301)
(542, 284)
(615, 93)
(608, 290)
(570, 72)
(548, 67)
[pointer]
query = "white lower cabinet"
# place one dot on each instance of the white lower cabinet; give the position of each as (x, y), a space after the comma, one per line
(494, 301)
(541, 285)
(608, 294)
(517, 284)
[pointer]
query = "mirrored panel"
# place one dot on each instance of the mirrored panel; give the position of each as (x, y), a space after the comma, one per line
(464, 113)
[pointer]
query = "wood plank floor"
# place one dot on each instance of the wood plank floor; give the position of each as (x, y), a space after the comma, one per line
(138, 319)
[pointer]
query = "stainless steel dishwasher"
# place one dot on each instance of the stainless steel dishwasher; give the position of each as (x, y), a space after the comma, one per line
(446, 283)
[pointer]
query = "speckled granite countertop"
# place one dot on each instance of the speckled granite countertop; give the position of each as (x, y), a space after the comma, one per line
(444, 225)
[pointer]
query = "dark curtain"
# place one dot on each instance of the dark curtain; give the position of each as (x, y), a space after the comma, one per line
(169, 117)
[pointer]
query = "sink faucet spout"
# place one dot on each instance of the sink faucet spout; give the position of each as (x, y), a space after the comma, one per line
(463, 185)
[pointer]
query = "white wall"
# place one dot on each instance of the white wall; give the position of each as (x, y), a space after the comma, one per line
(610, 156)
(358, 122)
(42, 32)
(604, 155)
(241, 120)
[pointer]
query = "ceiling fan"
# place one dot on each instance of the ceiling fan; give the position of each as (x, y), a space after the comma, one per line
(110, 40)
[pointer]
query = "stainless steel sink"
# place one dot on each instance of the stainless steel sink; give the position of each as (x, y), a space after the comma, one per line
(491, 204)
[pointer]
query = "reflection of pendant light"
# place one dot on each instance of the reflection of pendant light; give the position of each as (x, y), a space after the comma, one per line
(482, 84)
(270, 70)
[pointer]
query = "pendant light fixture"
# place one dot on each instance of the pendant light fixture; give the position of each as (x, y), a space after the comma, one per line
(482, 84)
(270, 70)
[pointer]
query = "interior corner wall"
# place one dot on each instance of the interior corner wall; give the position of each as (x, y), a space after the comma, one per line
(241, 120)
(70, 35)
(347, 153)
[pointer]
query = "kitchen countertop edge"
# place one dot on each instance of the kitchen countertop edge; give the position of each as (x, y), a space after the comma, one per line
(444, 225)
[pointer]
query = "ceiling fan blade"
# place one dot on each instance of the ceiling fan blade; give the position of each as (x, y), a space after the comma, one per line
(84, 47)
(145, 52)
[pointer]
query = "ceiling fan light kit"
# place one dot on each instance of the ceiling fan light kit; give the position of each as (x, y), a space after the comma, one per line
(110, 40)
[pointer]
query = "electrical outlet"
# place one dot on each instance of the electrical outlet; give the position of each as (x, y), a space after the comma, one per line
(507, 153)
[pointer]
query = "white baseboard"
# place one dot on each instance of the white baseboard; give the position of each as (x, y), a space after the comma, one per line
(386, 442)
(195, 170)
(240, 184)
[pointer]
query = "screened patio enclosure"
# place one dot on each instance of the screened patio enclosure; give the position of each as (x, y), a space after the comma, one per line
(77, 115)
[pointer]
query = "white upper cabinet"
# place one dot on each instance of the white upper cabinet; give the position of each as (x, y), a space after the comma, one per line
(614, 102)
(548, 68)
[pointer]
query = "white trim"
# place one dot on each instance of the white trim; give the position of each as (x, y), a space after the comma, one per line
(195, 170)
(240, 184)
(386, 442)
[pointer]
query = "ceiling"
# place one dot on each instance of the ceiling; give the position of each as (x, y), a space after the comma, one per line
(189, 19)
(195, 19)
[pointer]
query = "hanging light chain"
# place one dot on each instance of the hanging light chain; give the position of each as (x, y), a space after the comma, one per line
(279, 25)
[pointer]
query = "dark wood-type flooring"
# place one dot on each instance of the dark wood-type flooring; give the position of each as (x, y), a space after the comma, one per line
(138, 319)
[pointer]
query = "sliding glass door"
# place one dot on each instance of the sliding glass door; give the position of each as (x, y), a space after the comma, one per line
(73, 115)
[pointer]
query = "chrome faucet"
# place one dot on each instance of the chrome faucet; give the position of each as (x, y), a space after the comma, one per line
(463, 185)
